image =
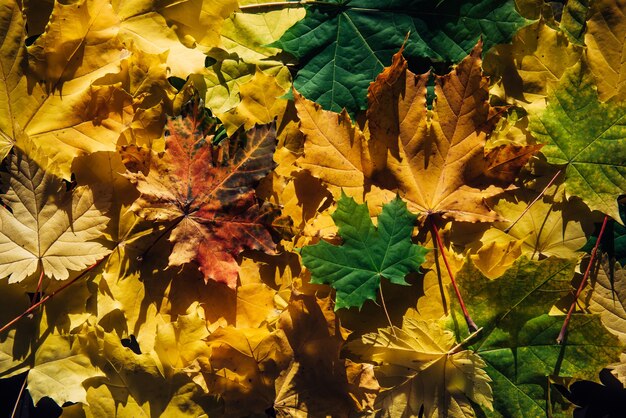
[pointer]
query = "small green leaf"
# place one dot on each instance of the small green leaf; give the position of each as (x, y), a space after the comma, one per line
(367, 254)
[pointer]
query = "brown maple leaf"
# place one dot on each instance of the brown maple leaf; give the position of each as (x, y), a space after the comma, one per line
(207, 192)
(437, 158)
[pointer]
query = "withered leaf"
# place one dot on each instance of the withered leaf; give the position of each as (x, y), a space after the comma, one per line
(207, 192)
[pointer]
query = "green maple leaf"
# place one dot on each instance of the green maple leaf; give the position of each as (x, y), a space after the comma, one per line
(518, 341)
(587, 138)
(367, 254)
(344, 44)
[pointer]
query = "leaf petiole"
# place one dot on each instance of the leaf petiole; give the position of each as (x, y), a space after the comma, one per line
(51, 295)
(561, 336)
(464, 343)
(382, 299)
(439, 245)
(258, 8)
(533, 202)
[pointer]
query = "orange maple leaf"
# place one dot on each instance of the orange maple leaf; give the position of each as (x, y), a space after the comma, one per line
(437, 157)
(207, 191)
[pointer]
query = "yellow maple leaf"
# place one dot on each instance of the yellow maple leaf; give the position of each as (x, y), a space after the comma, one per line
(60, 368)
(243, 366)
(606, 44)
(67, 114)
(260, 103)
(47, 228)
(419, 366)
(335, 151)
(437, 160)
(534, 61)
(608, 299)
(186, 29)
(250, 30)
(549, 228)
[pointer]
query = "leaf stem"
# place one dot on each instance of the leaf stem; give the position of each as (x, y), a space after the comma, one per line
(19, 396)
(51, 295)
(561, 336)
(256, 8)
(382, 299)
(38, 292)
(439, 245)
(533, 202)
(463, 343)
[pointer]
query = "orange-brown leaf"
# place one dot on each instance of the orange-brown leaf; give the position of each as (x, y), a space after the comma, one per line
(207, 192)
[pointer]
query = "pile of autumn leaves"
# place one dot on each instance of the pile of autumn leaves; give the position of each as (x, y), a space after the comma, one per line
(199, 262)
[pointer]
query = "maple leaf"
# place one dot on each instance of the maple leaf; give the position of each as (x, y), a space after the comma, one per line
(249, 31)
(335, 151)
(606, 31)
(534, 61)
(505, 161)
(549, 228)
(518, 341)
(495, 257)
(243, 366)
(134, 385)
(586, 138)
(181, 343)
(51, 90)
(608, 299)
(185, 29)
(436, 160)
(343, 45)
(206, 191)
(368, 253)
(47, 227)
(573, 20)
(60, 367)
(418, 367)
(260, 103)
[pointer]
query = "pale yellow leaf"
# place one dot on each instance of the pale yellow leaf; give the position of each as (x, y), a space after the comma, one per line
(60, 370)
(179, 344)
(248, 32)
(260, 103)
(608, 297)
(495, 257)
(549, 228)
(187, 29)
(47, 227)
(417, 368)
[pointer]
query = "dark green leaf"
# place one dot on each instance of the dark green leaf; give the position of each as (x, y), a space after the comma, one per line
(367, 254)
(345, 44)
